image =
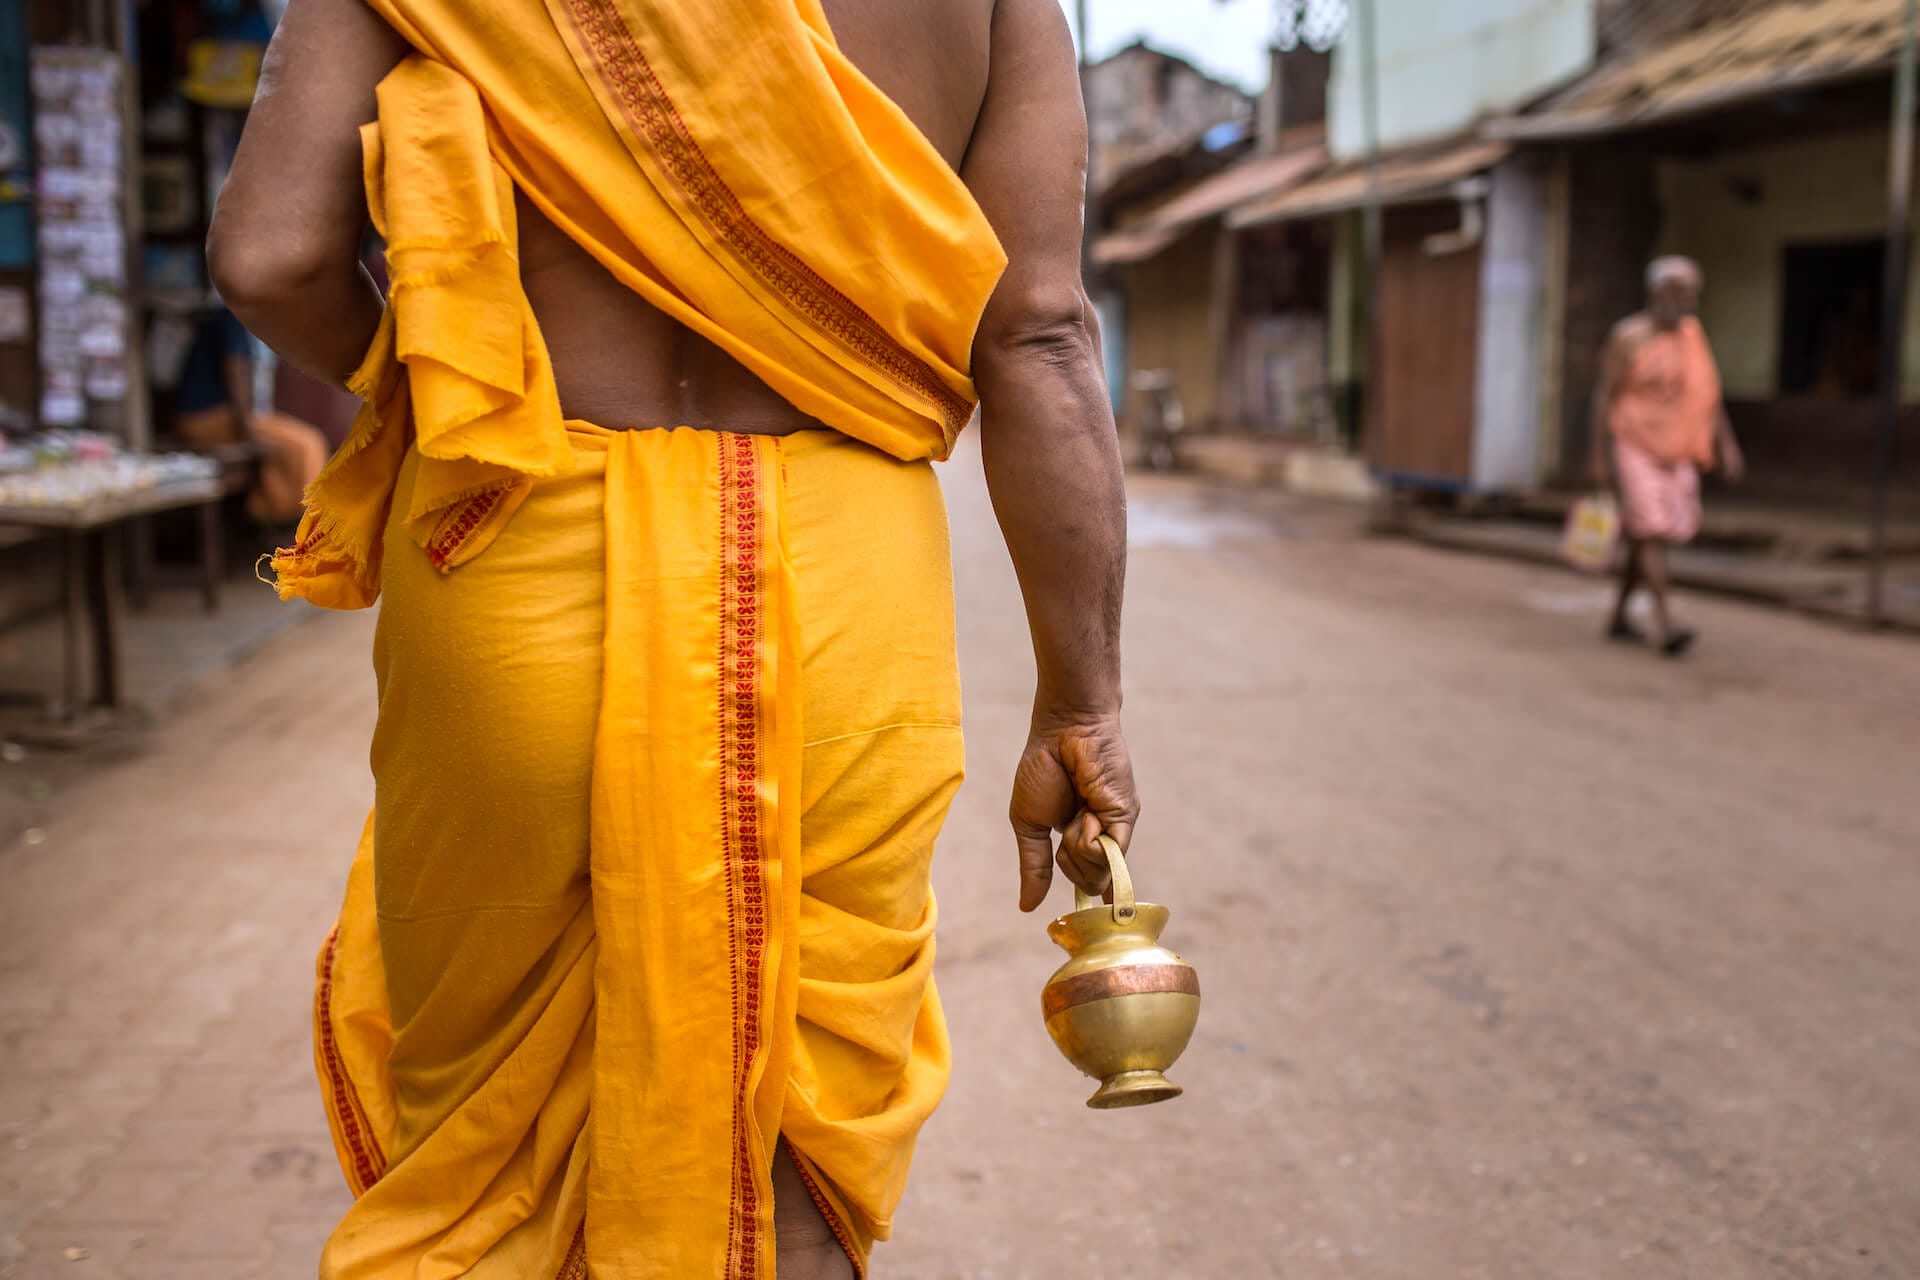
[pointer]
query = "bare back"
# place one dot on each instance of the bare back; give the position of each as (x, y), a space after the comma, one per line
(620, 362)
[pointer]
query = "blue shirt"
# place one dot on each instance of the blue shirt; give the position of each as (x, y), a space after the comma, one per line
(203, 375)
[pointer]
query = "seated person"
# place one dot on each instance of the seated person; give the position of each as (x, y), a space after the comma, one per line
(213, 405)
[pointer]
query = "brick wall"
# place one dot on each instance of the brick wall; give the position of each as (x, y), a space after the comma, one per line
(1143, 102)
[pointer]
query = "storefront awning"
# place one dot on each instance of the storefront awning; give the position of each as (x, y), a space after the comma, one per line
(1257, 176)
(1117, 248)
(1783, 46)
(1406, 177)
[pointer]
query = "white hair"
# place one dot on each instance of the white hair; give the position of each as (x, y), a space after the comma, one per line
(1673, 267)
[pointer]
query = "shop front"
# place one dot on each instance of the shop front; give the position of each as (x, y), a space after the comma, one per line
(117, 125)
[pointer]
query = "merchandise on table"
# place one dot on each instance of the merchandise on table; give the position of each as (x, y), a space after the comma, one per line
(75, 468)
(82, 234)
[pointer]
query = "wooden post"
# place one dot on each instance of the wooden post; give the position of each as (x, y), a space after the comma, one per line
(137, 406)
(105, 598)
(1223, 316)
(1373, 240)
(73, 565)
(1893, 329)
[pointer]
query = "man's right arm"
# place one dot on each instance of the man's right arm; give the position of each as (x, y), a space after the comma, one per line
(1051, 452)
(284, 247)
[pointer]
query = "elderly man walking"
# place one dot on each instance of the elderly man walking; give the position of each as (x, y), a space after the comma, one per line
(1658, 420)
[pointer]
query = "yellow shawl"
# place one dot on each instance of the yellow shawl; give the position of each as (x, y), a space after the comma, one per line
(722, 159)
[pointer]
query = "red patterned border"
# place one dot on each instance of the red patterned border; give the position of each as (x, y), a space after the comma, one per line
(459, 523)
(574, 1267)
(742, 846)
(834, 1224)
(653, 117)
(369, 1162)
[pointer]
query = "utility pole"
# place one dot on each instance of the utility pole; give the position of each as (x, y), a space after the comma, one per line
(1893, 325)
(1373, 228)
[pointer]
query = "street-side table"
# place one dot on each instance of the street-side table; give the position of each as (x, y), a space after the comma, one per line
(239, 467)
(93, 592)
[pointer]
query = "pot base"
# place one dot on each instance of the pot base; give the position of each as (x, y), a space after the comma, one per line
(1133, 1089)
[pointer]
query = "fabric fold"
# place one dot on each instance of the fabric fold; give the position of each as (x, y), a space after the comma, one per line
(569, 1008)
(458, 368)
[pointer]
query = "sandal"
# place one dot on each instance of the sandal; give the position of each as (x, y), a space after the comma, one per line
(1625, 632)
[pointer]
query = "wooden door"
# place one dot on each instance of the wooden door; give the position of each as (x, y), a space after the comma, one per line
(1420, 415)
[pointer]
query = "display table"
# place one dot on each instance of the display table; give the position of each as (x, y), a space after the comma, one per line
(93, 589)
(238, 468)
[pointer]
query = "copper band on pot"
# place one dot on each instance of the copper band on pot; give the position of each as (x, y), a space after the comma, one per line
(1121, 980)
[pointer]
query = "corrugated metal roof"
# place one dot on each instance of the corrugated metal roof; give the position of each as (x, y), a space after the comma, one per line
(1634, 24)
(1405, 178)
(1751, 52)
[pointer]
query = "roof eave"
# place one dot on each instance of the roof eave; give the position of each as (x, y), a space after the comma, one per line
(1246, 218)
(1582, 126)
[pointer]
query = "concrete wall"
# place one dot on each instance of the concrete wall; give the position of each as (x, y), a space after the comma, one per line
(1513, 347)
(1737, 211)
(1443, 66)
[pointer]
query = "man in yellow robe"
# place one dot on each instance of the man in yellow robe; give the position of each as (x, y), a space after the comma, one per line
(633, 977)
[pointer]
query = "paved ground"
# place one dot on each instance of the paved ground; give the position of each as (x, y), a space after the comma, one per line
(1523, 956)
(1834, 587)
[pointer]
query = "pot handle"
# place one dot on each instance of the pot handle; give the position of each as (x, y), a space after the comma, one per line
(1123, 907)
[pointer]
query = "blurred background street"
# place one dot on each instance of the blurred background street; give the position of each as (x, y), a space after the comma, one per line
(1523, 955)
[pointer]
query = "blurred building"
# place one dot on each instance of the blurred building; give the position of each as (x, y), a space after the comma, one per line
(1145, 104)
(1530, 157)
(118, 122)
(1236, 321)
(1752, 135)
(1441, 388)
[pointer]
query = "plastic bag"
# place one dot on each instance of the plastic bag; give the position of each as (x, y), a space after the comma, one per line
(1592, 534)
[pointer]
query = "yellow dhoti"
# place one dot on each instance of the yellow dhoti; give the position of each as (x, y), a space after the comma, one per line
(668, 719)
(670, 756)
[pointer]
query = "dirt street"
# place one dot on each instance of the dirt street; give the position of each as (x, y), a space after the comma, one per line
(1523, 956)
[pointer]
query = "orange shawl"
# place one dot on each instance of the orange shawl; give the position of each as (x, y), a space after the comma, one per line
(1669, 402)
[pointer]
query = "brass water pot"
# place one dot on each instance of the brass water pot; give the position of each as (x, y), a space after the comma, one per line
(1122, 1007)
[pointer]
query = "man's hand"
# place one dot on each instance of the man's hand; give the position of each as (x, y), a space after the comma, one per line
(1075, 777)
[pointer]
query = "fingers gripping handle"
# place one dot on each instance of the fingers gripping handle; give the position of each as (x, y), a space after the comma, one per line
(1122, 882)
